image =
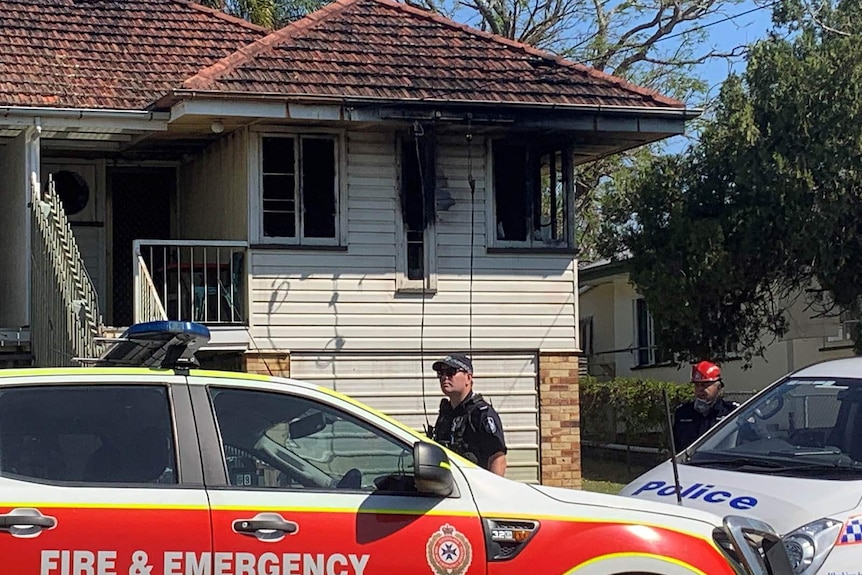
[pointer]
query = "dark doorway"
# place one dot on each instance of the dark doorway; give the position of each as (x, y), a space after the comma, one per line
(140, 209)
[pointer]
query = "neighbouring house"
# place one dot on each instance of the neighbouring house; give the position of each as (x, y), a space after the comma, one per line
(618, 337)
(342, 200)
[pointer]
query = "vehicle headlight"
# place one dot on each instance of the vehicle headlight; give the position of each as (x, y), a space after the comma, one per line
(808, 546)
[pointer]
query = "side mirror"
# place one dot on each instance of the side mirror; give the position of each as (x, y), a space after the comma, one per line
(432, 471)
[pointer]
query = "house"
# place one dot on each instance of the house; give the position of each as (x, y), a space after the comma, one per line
(342, 200)
(618, 337)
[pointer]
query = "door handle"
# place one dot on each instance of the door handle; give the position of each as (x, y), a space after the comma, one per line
(7, 521)
(269, 527)
(252, 525)
(25, 522)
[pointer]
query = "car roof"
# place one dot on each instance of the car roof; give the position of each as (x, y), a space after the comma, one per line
(846, 367)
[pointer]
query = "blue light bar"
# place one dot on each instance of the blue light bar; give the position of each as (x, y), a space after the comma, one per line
(159, 344)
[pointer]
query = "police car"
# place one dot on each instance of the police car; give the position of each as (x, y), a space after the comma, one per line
(791, 456)
(168, 470)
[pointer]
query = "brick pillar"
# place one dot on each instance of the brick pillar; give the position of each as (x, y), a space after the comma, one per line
(559, 419)
(268, 362)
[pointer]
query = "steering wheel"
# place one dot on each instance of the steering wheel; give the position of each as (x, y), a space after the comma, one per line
(351, 480)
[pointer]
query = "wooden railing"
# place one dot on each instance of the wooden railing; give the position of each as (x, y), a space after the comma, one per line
(148, 306)
(191, 280)
(64, 309)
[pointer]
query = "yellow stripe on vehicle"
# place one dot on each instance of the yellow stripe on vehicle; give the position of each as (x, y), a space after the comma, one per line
(634, 555)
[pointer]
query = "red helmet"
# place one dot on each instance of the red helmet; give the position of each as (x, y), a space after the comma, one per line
(705, 371)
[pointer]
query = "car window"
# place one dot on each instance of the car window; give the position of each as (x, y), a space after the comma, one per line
(811, 420)
(275, 440)
(91, 434)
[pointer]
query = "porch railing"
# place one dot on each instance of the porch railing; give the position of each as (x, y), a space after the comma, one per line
(191, 280)
(64, 308)
(148, 306)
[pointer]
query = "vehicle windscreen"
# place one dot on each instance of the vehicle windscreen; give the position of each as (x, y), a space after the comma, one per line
(803, 427)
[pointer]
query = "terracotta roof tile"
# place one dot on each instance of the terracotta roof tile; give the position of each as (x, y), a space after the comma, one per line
(379, 49)
(127, 54)
(121, 54)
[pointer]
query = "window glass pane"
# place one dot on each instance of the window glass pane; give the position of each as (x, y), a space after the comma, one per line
(643, 329)
(278, 155)
(279, 206)
(413, 205)
(280, 441)
(96, 434)
(318, 187)
(510, 191)
(551, 221)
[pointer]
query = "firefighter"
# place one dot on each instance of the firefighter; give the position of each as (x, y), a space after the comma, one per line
(466, 423)
(693, 418)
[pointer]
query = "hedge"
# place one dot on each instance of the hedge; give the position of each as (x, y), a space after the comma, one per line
(629, 410)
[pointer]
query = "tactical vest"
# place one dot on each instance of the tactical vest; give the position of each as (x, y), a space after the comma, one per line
(456, 441)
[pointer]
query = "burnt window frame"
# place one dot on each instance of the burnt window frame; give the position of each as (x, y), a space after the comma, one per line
(300, 237)
(405, 144)
(533, 149)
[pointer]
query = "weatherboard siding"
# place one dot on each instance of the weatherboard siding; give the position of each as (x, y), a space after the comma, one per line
(347, 300)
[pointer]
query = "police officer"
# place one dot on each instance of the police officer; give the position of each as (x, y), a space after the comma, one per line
(466, 423)
(693, 418)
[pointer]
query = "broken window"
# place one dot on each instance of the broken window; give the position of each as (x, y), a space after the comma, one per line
(417, 177)
(532, 183)
(300, 188)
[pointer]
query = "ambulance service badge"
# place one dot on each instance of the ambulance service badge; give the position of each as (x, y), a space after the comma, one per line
(448, 551)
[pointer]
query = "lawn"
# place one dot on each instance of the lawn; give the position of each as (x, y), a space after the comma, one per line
(607, 475)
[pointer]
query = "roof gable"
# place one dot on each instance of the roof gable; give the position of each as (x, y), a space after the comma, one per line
(380, 49)
(114, 54)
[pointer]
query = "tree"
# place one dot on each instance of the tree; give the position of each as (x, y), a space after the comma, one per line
(767, 206)
(271, 14)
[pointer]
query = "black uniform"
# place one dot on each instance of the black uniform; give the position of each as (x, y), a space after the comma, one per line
(473, 429)
(689, 423)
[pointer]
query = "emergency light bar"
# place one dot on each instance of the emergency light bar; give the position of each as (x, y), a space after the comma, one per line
(157, 344)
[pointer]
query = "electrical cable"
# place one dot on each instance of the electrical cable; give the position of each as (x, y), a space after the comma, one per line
(472, 182)
(417, 132)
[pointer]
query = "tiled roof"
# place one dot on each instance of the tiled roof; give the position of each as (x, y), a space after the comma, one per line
(380, 49)
(120, 54)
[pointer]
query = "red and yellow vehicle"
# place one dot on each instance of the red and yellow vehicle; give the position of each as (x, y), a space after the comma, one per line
(133, 471)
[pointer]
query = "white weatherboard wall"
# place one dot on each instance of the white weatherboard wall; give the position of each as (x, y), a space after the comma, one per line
(346, 300)
(393, 383)
(14, 232)
(213, 188)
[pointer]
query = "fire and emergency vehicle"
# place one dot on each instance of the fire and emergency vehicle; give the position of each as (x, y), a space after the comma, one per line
(790, 456)
(167, 470)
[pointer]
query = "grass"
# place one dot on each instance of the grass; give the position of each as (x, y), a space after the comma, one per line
(607, 475)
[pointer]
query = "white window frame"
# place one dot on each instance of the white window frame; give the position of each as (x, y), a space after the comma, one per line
(255, 182)
(403, 283)
(649, 345)
(530, 242)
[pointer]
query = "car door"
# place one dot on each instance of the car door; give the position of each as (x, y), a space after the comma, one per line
(307, 482)
(99, 475)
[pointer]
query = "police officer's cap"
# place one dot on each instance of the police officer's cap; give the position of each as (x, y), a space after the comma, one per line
(458, 361)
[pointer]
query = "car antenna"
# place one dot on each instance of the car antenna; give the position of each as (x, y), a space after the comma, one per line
(673, 463)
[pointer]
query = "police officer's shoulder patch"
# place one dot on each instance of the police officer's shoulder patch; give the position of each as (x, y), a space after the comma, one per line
(489, 424)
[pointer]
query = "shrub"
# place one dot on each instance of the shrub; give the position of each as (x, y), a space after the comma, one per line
(629, 409)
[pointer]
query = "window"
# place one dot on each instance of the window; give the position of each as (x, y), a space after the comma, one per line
(273, 440)
(92, 434)
(300, 189)
(648, 346)
(532, 194)
(416, 261)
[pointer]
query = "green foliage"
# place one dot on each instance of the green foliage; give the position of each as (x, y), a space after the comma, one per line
(767, 206)
(632, 405)
(270, 14)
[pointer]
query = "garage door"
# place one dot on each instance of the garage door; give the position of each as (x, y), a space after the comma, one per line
(392, 383)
